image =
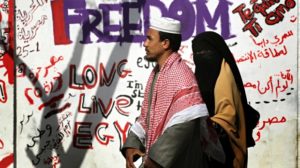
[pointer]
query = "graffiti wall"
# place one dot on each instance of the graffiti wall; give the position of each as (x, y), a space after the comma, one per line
(73, 74)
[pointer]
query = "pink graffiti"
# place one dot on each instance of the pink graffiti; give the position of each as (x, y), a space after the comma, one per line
(269, 48)
(270, 121)
(52, 84)
(275, 40)
(270, 52)
(275, 84)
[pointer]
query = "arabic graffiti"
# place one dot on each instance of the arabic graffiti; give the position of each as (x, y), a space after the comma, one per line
(268, 48)
(275, 41)
(270, 52)
(27, 120)
(248, 15)
(81, 105)
(51, 138)
(48, 86)
(28, 31)
(28, 34)
(267, 123)
(277, 83)
(26, 17)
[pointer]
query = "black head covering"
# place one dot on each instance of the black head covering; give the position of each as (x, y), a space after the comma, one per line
(209, 49)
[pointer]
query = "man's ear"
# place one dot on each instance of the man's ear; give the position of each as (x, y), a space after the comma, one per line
(166, 43)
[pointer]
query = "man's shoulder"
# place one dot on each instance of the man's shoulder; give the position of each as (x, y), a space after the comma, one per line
(180, 67)
(180, 72)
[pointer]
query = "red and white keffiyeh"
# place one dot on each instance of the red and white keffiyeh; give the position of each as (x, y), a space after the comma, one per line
(175, 99)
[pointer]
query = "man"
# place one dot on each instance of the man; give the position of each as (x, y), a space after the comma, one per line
(167, 133)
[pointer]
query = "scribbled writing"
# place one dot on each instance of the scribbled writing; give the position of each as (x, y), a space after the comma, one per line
(27, 120)
(27, 35)
(276, 40)
(64, 124)
(268, 48)
(83, 133)
(41, 73)
(120, 103)
(270, 52)
(90, 77)
(50, 138)
(275, 84)
(270, 121)
(271, 18)
(25, 50)
(137, 90)
(28, 27)
(26, 17)
(142, 63)
(53, 83)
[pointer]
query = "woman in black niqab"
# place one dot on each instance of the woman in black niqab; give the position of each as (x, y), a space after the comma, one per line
(209, 50)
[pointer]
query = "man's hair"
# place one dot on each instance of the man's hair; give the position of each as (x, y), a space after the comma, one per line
(175, 40)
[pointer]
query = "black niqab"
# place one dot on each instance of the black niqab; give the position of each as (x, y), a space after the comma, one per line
(209, 49)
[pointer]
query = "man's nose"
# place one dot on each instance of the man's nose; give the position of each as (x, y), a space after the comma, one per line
(145, 43)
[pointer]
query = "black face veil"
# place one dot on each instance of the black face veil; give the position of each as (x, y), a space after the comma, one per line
(209, 50)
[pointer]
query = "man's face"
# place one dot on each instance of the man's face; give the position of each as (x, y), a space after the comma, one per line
(153, 46)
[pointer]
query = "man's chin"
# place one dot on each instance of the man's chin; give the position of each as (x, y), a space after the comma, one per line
(149, 58)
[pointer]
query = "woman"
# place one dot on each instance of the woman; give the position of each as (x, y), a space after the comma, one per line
(222, 89)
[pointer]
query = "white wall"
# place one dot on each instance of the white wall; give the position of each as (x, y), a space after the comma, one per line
(60, 75)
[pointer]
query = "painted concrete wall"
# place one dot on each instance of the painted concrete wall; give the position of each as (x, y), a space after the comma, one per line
(80, 75)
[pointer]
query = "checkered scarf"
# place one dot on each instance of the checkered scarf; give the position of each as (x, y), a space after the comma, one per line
(175, 99)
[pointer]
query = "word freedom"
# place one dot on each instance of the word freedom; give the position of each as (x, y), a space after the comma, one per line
(97, 22)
